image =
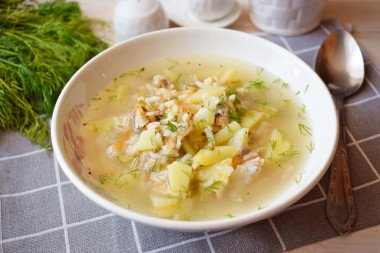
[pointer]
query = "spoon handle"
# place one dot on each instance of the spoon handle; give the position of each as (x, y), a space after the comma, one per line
(340, 207)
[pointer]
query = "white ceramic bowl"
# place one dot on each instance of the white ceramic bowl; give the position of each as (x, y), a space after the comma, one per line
(95, 74)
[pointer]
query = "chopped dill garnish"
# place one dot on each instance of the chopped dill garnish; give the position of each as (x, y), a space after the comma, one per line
(110, 98)
(273, 144)
(151, 141)
(201, 213)
(179, 201)
(229, 215)
(260, 207)
(263, 103)
(305, 130)
(298, 179)
(310, 147)
(135, 73)
(285, 85)
(173, 62)
(213, 188)
(290, 153)
(171, 127)
(302, 108)
(297, 93)
(283, 134)
(118, 158)
(307, 87)
(258, 84)
(287, 101)
(186, 173)
(229, 129)
(96, 98)
(104, 178)
(177, 82)
(187, 218)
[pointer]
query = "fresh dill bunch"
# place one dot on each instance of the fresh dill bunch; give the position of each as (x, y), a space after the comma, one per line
(41, 47)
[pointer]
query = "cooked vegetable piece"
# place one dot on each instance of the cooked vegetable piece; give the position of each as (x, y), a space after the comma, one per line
(122, 92)
(230, 76)
(99, 126)
(164, 206)
(147, 141)
(204, 93)
(277, 145)
(220, 171)
(239, 139)
(252, 119)
(208, 157)
(179, 176)
(204, 117)
(223, 135)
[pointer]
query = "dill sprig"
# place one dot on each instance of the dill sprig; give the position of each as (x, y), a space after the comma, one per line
(41, 47)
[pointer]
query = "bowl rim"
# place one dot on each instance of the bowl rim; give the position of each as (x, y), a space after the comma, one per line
(178, 225)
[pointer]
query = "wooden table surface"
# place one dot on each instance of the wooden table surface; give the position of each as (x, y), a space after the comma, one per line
(364, 17)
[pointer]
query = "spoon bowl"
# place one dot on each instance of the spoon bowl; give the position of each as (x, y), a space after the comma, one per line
(340, 65)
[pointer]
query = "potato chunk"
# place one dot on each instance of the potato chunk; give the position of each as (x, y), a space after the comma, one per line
(203, 118)
(252, 119)
(220, 171)
(223, 135)
(122, 93)
(208, 157)
(179, 176)
(164, 206)
(277, 145)
(203, 94)
(239, 139)
(230, 76)
(147, 141)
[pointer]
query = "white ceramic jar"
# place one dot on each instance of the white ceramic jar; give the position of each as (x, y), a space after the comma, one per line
(286, 17)
(210, 10)
(135, 17)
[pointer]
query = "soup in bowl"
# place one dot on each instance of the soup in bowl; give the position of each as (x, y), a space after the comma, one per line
(195, 129)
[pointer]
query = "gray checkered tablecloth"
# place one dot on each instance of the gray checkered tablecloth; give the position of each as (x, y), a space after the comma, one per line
(41, 211)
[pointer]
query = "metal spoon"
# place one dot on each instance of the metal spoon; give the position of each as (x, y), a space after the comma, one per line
(340, 65)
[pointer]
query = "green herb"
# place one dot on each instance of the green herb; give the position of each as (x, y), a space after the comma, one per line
(258, 84)
(229, 215)
(103, 178)
(263, 103)
(310, 147)
(186, 173)
(285, 85)
(305, 130)
(135, 73)
(259, 70)
(96, 98)
(307, 87)
(260, 207)
(110, 98)
(201, 213)
(173, 62)
(290, 153)
(179, 201)
(120, 161)
(278, 80)
(213, 188)
(297, 93)
(229, 129)
(287, 101)
(41, 47)
(272, 144)
(302, 108)
(171, 127)
(299, 179)
(177, 81)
